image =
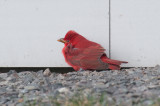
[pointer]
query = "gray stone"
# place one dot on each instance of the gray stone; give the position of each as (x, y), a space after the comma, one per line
(47, 72)
(3, 75)
(20, 95)
(30, 87)
(148, 102)
(24, 91)
(63, 90)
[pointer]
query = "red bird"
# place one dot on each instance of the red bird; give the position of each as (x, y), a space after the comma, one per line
(83, 54)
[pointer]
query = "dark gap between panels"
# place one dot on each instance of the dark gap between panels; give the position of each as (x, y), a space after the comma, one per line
(52, 69)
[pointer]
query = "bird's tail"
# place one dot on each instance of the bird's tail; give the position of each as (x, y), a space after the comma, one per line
(112, 64)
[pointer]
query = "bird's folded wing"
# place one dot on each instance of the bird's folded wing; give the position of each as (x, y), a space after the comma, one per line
(87, 57)
(91, 58)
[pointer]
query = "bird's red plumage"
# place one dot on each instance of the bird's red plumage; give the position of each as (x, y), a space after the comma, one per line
(81, 53)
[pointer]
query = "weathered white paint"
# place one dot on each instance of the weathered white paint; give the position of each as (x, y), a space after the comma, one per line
(135, 31)
(29, 29)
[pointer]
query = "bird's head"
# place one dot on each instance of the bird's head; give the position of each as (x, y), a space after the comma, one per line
(70, 37)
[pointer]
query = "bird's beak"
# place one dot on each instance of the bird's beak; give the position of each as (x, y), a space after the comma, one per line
(62, 40)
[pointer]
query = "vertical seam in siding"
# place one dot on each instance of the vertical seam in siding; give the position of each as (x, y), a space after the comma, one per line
(109, 28)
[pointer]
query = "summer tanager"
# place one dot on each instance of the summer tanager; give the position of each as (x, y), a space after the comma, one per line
(83, 54)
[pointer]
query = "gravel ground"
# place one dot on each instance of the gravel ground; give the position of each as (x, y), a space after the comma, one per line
(134, 86)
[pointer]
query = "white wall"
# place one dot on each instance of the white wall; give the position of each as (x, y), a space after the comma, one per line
(135, 32)
(29, 29)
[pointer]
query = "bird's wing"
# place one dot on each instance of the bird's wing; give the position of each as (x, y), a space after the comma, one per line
(87, 58)
(91, 58)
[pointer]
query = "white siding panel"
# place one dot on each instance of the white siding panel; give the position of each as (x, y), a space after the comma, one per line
(29, 29)
(135, 32)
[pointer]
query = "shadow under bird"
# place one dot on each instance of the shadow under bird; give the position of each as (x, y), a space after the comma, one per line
(83, 54)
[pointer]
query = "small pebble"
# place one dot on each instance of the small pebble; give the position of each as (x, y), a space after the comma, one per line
(30, 88)
(47, 72)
